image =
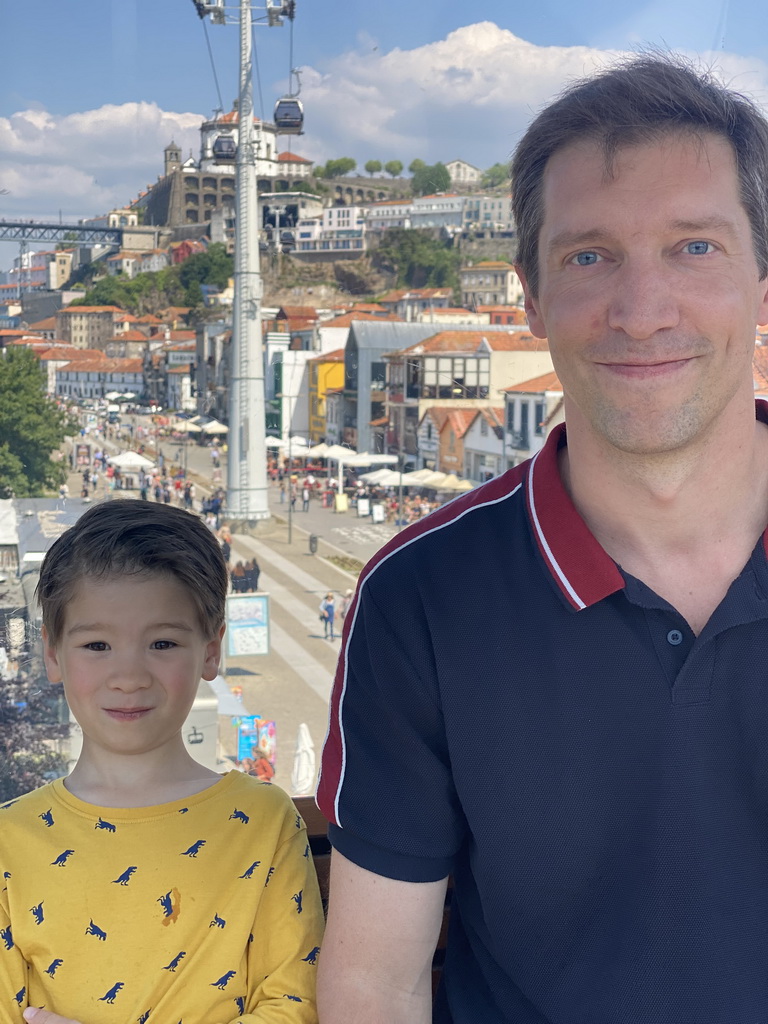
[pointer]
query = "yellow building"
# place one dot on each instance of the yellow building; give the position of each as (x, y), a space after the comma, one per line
(326, 372)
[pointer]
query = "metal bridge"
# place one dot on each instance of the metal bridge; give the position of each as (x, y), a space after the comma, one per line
(32, 231)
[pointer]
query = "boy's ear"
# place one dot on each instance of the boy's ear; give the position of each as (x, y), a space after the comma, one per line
(213, 656)
(52, 667)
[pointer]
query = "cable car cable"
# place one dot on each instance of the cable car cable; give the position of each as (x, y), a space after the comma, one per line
(213, 66)
(255, 51)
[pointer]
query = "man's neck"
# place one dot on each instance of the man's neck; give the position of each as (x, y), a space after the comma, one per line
(686, 522)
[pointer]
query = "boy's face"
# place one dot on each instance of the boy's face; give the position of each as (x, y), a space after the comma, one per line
(130, 656)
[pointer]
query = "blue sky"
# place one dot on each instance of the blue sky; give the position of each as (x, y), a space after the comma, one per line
(92, 90)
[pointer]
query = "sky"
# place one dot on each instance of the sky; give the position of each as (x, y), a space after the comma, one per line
(91, 91)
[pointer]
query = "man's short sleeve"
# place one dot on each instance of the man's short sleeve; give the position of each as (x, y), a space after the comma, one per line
(386, 783)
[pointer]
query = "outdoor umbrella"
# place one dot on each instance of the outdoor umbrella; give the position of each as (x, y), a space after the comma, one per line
(318, 451)
(214, 427)
(130, 460)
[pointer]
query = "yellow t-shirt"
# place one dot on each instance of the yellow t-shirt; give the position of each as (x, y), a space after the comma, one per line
(205, 910)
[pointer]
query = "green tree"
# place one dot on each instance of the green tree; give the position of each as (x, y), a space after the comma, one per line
(416, 165)
(338, 168)
(494, 176)
(420, 260)
(429, 179)
(394, 168)
(373, 167)
(30, 714)
(32, 427)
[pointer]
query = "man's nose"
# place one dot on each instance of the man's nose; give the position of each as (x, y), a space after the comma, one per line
(642, 298)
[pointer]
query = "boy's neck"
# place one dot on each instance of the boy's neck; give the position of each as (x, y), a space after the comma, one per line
(111, 780)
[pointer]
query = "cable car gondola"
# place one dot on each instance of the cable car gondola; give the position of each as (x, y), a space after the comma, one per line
(224, 149)
(289, 116)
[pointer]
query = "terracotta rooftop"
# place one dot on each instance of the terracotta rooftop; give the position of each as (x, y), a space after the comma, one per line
(470, 341)
(546, 382)
(92, 309)
(48, 324)
(337, 356)
(59, 352)
(489, 265)
(292, 158)
(104, 366)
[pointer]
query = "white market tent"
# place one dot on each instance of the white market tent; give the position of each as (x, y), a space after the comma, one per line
(214, 428)
(318, 451)
(130, 460)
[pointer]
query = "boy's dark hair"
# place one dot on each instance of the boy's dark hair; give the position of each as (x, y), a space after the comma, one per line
(135, 538)
(640, 100)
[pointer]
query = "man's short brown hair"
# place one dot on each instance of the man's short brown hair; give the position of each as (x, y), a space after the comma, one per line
(135, 538)
(639, 100)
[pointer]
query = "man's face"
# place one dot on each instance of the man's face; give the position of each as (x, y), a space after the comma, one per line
(649, 291)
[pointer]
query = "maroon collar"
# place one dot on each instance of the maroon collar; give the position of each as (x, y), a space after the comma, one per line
(582, 570)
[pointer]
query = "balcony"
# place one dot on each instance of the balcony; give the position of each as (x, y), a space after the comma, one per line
(519, 439)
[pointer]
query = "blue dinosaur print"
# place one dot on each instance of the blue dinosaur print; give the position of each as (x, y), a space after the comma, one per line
(239, 816)
(224, 980)
(125, 878)
(240, 1001)
(19, 997)
(47, 817)
(9, 804)
(218, 921)
(166, 903)
(311, 957)
(6, 876)
(298, 821)
(109, 997)
(269, 876)
(294, 999)
(297, 898)
(250, 936)
(183, 810)
(176, 961)
(7, 936)
(93, 929)
(194, 849)
(306, 851)
(106, 826)
(249, 871)
(61, 860)
(144, 1017)
(53, 967)
(37, 912)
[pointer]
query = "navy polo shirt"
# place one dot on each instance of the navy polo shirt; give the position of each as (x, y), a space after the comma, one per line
(512, 708)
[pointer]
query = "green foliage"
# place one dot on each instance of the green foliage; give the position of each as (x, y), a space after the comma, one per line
(416, 165)
(337, 168)
(394, 168)
(31, 428)
(429, 179)
(420, 260)
(495, 176)
(215, 266)
(30, 714)
(373, 167)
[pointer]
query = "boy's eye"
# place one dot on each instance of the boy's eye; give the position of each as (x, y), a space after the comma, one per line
(163, 645)
(96, 645)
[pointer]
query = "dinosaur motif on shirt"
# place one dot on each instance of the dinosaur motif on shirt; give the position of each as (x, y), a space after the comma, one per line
(19, 997)
(298, 821)
(194, 849)
(7, 936)
(306, 851)
(311, 957)
(61, 860)
(53, 966)
(93, 929)
(239, 816)
(47, 817)
(294, 999)
(218, 921)
(144, 1017)
(125, 878)
(249, 871)
(240, 1001)
(37, 912)
(105, 826)
(176, 961)
(224, 980)
(297, 898)
(269, 876)
(171, 904)
(109, 997)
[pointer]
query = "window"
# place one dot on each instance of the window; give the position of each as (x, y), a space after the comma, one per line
(539, 416)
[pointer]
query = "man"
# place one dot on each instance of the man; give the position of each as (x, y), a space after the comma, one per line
(577, 730)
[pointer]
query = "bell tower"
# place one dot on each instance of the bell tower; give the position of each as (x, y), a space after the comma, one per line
(172, 158)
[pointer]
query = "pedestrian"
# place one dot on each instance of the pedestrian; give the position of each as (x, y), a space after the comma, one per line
(282, 491)
(64, 491)
(327, 613)
(305, 498)
(346, 601)
(293, 497)
(238, 578)
(592, 624)
(252, 573)
(226, 548)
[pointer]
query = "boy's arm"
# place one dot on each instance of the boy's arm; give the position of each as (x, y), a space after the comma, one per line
(287, 933)
(13, 972)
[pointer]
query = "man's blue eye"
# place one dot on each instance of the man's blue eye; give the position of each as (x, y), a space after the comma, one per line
(586, 259)
(698, 248)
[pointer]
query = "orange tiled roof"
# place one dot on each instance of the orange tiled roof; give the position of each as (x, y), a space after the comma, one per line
(292, 158)
(337, 356)
(546, 382)
(470, 341)
(92, 309)
(48, 324)
(104, 365)
(459, 420)
(130, 336)
(346, 319)
(65, 352)
(489, 265)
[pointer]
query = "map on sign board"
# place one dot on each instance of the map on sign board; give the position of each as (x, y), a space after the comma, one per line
(247, 624)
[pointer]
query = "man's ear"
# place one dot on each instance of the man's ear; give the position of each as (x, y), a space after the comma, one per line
(51, 659)
(531, 305)
(213, 656)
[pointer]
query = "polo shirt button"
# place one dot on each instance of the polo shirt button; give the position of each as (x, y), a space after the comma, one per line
(674, 637)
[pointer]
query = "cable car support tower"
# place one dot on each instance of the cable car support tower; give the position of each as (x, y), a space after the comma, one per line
(246, 504)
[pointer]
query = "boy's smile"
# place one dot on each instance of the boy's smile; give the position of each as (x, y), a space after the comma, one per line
(131, 655)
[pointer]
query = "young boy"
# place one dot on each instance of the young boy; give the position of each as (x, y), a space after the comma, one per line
(143, 885)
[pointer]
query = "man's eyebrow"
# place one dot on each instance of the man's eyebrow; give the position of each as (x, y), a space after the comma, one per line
(97, 627)
(592, 236)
